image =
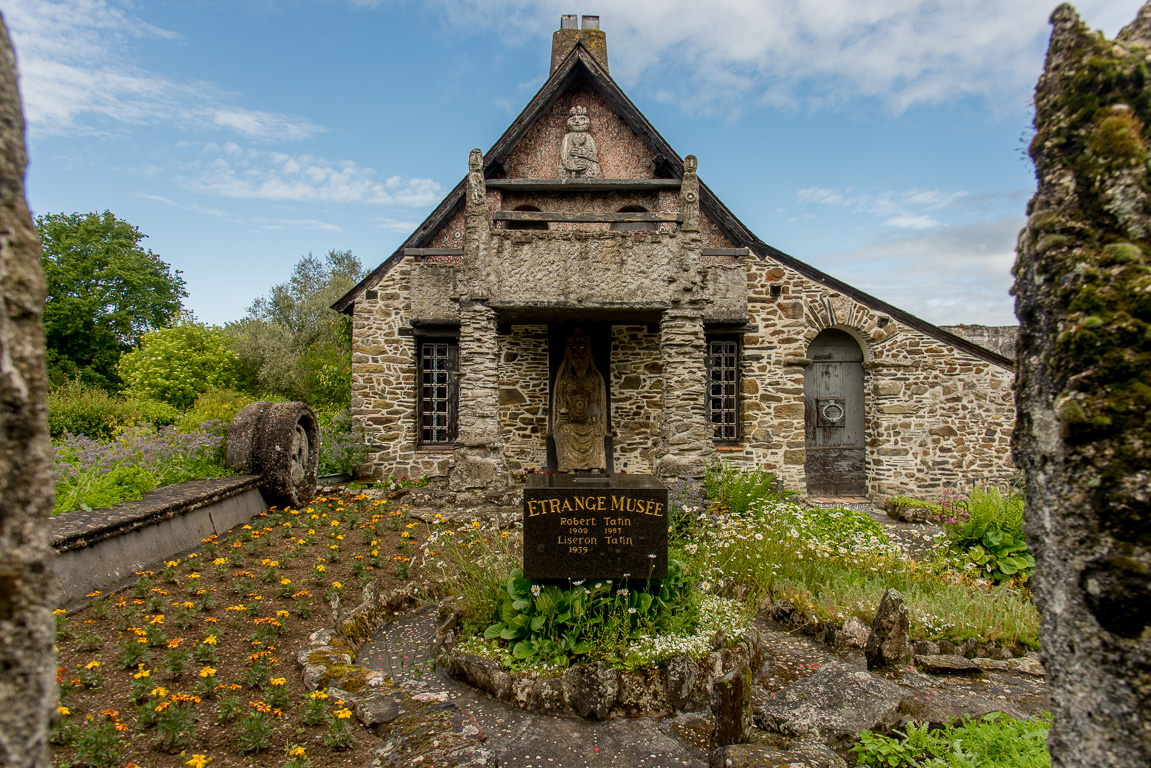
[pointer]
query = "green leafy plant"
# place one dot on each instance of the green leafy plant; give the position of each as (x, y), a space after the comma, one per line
(989, 531)
(993, 741)
(735, 489)
(98, 744)
(556, 625)
(1000, 555)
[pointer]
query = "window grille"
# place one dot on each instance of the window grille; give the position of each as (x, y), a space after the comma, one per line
(723, 388)
(438, 392)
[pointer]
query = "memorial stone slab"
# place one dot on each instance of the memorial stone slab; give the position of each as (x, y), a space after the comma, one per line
(595, 527)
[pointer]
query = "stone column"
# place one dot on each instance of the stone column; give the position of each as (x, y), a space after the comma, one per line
(685, 438)
(27, 567)
(480, 474)
(1083, 439)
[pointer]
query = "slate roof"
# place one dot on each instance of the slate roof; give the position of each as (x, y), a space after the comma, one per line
(581, 65)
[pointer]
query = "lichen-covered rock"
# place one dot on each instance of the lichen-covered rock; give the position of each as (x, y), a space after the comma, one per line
(853, 636)
(940, 664)
(485, 674)
(591, 690)
(27, 633)
(799, 754)
(889, 643)
(731, 706)
(1083, 440)
(679, 674)
(833, 706)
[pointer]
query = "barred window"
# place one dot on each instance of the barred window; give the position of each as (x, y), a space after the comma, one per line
(723, 388)
(438, 391)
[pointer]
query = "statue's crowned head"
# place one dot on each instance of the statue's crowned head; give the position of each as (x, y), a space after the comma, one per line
(579, 349)
(579, 120)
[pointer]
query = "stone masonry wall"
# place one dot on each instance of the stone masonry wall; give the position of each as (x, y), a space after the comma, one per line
(524, 397)
(933, 414)
(636, 397)
(384, 383)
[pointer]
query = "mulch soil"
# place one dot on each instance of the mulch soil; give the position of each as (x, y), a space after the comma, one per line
(259, 592)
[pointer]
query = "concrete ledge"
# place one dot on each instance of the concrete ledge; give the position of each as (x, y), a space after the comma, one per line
(101, 549)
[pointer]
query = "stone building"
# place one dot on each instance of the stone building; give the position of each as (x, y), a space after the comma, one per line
(582, 223)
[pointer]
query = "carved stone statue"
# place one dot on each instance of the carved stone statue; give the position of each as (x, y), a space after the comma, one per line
(579, 156)
(579, 408)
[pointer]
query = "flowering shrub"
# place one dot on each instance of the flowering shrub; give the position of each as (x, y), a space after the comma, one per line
(92, 474)
(342, 448)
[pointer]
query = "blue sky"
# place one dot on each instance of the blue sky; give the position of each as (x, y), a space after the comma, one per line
(880, 141)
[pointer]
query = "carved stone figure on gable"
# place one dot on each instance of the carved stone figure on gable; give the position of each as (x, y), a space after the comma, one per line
(579, 156)
(579, 406)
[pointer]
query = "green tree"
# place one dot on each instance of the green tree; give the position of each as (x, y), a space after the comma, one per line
(104, 292)
(292, 344)
(175, 365)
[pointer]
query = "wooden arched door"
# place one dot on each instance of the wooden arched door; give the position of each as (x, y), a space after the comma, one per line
(833, 416)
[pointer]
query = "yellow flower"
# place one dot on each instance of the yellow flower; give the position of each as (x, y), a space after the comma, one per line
(279, 680)
(59, 612)
(337, 585)
(219, 561)
(207, 672)
(142, 673)
(63, 711)
(335, 523)
(320, 568)
(92, 665)
(296, 752)
(285, 582)
(344, 713)
(209, 640)
(198, 761)
(317, 695)
(159, 692)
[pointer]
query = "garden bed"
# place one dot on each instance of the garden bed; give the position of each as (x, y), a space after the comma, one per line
(216, 633)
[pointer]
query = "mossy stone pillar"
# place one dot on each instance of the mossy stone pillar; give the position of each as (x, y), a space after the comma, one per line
(1083, 437)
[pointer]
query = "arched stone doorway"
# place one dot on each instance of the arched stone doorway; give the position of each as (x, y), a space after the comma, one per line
(833, 416)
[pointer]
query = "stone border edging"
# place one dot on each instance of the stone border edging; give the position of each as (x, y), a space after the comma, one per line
(330, 658)
(599, 692)
(843, 637)
(101, 549)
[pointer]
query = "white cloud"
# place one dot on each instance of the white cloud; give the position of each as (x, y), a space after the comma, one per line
(186, 206)
(232, 171)
(900, 210)
(78, 78)
(731, 53)
(952, 274)
(395, 225)
(303, 224)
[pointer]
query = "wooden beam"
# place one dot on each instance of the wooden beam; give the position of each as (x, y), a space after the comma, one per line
(583, 217)
(582, 185)
(725, 251)
(433, 251)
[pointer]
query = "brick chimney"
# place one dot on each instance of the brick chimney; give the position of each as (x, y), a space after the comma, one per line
(566, 37)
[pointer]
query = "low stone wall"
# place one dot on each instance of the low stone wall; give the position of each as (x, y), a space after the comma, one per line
(599, 692)
(101, 549)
